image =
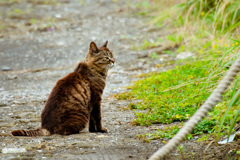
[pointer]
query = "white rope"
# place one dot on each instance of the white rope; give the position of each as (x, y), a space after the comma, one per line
(212, 100)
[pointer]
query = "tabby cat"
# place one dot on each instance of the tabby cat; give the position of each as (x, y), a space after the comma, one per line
(75, 101)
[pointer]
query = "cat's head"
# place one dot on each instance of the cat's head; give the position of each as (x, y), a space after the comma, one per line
(101, 57)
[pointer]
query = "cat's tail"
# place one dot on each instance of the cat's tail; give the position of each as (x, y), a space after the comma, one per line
(36, 132)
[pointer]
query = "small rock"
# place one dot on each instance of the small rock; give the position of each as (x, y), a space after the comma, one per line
(24, 120)
(116, 81)
(10, 77)
(133, 68)
(5, 68)
(4, 134)
(13, 150)
(102, 136)
(35, 120)
(60, 43)
(7, 124)
(2, 104)
(26, 115)
(58, 15)
(184, 55)
(48, 138)
(78, 29)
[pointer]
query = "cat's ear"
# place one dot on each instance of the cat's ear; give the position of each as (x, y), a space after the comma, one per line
(93, 47)
(105, 44)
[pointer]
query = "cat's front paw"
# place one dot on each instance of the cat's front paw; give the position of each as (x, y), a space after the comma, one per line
(92, 130)
(103, 130)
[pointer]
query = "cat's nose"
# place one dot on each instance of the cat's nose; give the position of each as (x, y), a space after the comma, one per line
(112, 60)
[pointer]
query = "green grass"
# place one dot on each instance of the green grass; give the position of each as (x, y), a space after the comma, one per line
(18, 13)
(146, 44)
(175, 95)
(220, 14)
(172, 95)
(165, 133)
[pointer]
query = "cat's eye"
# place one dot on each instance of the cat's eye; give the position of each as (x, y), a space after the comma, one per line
(108, 54)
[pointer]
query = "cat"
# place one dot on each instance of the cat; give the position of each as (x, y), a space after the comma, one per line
(75, 101)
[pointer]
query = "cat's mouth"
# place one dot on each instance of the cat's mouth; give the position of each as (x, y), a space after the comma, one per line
(110, 65)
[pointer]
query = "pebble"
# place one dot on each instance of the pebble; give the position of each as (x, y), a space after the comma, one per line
(11, 77)
(7, 124)
(102, 136)
(5, 68)
(184, 55)
(2, 104)
(13, 150)
(48, 138)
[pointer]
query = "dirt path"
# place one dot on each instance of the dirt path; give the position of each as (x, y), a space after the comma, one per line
(35, 52)
(41, 43)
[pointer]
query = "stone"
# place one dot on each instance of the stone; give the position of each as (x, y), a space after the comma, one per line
(5, 68)
(14, 150)
(2, 104)
(184, 55)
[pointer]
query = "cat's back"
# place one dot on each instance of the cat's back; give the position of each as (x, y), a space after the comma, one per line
(70, 92)
(73, 83)
(70, 96)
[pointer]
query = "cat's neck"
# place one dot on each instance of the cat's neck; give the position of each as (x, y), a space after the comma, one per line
(102, 72)
(86, 68)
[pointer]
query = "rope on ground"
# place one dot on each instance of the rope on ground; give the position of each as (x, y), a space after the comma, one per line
(212, 100)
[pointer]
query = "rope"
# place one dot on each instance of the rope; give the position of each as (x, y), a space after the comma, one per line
(212, 100)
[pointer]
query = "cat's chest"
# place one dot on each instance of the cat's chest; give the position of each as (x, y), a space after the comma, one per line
(97, 80)
(97, 86)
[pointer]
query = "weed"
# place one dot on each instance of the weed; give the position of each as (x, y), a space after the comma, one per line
(83, 2)
(147, 44)
(17, 13)
(33, 21)
(2, 27)
(221, 14)
(7, 2)
(182, 152)
(154, 55)
(203, 138)
(44, 2)
(164, 133)
(143, 4)
(175, 38)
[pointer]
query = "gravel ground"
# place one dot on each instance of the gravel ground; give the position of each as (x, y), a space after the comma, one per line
(40, 44)
(33, 58)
